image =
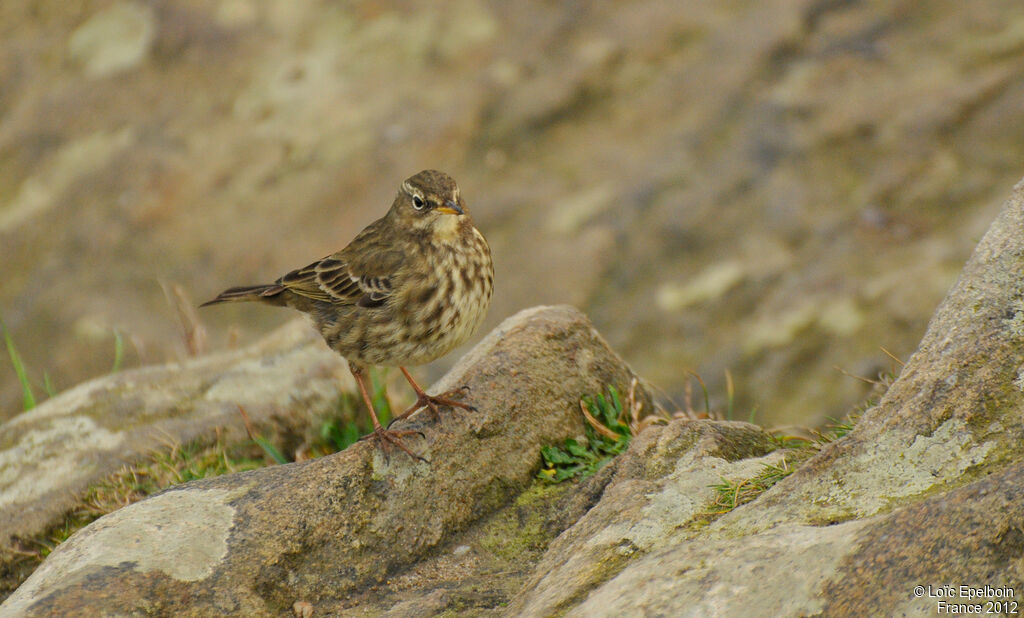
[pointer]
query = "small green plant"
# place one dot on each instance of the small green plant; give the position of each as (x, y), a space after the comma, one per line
(342, 429)
(837, 429)
(51, 390)
(270, 450)
(607, 436)
(730, 494)
(337, 434)
(785, 441)
(707, 398)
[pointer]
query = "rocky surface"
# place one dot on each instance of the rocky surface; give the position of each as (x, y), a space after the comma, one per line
(661, 484)
(867, 567)
(923, 492)
(955, 415)
(51, 454)
(255, 543)
(774, 188)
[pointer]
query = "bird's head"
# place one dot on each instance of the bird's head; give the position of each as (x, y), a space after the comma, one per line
(430, 202)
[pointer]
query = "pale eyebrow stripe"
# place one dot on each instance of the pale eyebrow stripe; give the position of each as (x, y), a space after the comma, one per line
(412, 191)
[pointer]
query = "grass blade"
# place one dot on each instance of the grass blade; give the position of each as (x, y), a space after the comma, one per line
(51, 390)
(118, 351)
(270, 449)
(28, 398)
(379, 388)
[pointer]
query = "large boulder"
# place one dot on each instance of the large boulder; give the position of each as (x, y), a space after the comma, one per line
(255, 543)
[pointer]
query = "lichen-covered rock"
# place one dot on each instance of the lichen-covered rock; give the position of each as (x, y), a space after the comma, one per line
(52, 453)
(970, 536)
(925, 491)
(955, 414)
(254, 543)
(660, 485)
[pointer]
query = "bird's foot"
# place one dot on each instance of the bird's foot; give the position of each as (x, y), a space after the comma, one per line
(389, 438)
(431, 402)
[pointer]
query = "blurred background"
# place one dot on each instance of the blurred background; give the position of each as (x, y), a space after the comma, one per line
(773, 190)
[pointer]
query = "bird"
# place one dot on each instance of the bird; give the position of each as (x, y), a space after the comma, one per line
(408, 289)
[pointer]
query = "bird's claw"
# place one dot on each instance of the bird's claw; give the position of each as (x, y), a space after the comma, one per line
(388, 438)
(431, 402)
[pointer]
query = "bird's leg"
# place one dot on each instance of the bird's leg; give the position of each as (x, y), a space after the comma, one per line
(432, 401)
(384, 436)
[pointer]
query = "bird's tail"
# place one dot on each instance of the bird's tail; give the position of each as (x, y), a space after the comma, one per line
(259, 293)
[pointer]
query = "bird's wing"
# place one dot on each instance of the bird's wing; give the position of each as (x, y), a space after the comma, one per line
(362, 273)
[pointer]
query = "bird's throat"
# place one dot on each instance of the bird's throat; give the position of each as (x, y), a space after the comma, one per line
(448, 229)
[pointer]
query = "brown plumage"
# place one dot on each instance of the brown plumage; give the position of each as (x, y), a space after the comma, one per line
(409, 288)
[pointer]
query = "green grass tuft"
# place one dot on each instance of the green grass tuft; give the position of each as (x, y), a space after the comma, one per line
(178, 463)
(337, 434)
(29, 400)
(340, 437)
(731, 494)
(379, 395)
(343, 429)
(51, 390)
(340, 430)
(837, 429)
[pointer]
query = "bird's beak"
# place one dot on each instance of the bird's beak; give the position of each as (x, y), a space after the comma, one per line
(451, 208)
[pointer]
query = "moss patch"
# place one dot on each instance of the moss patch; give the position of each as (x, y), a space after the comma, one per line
(520, 533)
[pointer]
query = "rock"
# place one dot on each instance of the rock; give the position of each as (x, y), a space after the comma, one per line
(660, 484)
(319, 531)
(76, 160)
(113, 40)
(867, 567)
(925, 491)
(955, 414)
(52, 453)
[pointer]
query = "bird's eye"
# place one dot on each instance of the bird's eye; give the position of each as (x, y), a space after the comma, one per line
(417, 202)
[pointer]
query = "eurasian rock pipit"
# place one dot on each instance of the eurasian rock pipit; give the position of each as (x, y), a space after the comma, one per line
(410, 287)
